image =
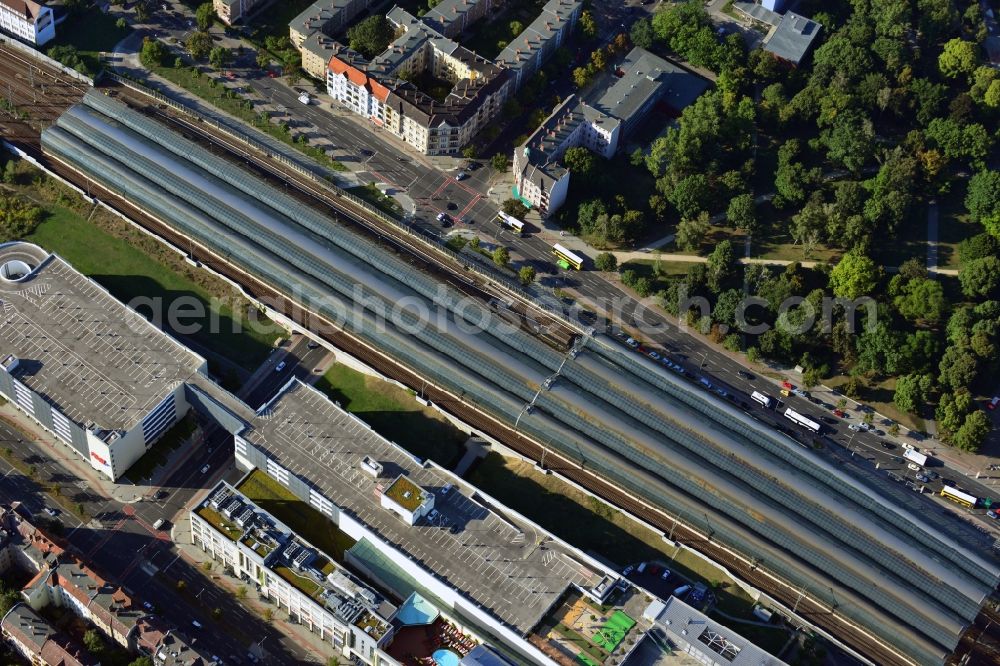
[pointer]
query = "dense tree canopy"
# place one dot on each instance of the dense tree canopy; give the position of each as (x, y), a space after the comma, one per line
(371, 36)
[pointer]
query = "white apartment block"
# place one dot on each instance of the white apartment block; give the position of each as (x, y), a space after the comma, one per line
(28, 21)
(293, 574)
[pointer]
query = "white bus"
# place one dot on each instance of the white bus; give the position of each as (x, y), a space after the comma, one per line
(801, 420)
(956, 495)
(511, 222)
(765, 400)
(567, 259)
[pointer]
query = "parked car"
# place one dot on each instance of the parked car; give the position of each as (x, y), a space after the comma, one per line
(887, 446)
(992, 404)
(799, 392)
(787, 385)
(665, 575)
(51, 512)
(653, 355)
(280, 367)
(629, 569)
(744, 374)
(855, 427)
(631, 342)
(461, 175)
(922, 478)
(913, 466)
(205, 468)
(841, 413)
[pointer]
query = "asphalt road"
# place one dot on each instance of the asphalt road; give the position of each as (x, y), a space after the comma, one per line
(300, 361)
(120, 543)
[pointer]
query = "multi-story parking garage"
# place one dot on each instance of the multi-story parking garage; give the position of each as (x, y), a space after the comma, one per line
(876, 562)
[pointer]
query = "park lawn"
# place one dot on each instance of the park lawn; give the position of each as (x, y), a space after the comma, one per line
(774, 241)
(954, 226)
(910, 242)
(218, 95)
(375, 197)
(299, 516)
(91, 32)
(395, 414)
(878, 396)
(128, 274)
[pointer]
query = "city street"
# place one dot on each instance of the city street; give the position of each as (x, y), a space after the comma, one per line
(120, 543)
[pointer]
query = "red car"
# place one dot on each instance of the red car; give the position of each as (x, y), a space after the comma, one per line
(992, 404)
(787, 385)
(839, 413)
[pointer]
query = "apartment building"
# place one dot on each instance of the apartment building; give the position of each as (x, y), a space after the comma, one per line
(311, 32)
(234, 11)
(452, 17)
(530, 50)
(380, 90)
(294, 574)
(601, 123)
(28, 21)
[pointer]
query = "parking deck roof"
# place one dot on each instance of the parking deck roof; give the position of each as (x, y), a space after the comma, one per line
(507, 566)
(76, 345)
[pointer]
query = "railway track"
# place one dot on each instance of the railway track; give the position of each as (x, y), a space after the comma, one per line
(481, 420)
(750, 571)
(31, 88)
(349, 212)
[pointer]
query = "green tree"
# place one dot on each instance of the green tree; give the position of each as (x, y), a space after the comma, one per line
(742, 214)
(371, 36)
(978, 247)
(581, 162)
(587, 25)
(220, 57)
(268, 615)
(951, 410)
(980, 277)
(973, 432)
(642, 34)
(691, 231)
(499, 162)
(958, 58)
(722, 266)
(241, 592)
(501, 256)
(199, 45)
(121, 24)
(18, 217)
(144, 660)
(912, 392)
(514, 208)
(181, 585)
(606, 262)
(958, 367)
(526, 275)
(921, 300)
(92, 641)
(216, 613)
(982, 198)
(851, 141)
(153, 52)
(204, 15)
(691, 195)
(854, 276)
(516, 28)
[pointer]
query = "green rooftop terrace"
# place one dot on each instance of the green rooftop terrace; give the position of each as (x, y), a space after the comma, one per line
(215, 519)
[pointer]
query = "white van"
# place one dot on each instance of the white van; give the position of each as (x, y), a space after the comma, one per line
(159, 523)
(681, 591)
